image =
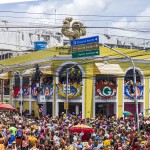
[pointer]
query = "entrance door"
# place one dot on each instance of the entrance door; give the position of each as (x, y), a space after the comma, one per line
(72, 107)
(101, 108)
(105, 108)
(49, 108)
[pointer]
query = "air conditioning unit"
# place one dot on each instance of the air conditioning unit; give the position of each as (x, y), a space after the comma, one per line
(41, 99)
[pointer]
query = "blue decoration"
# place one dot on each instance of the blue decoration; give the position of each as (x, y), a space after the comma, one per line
(73, 90)
(139, 91)
(34, 91)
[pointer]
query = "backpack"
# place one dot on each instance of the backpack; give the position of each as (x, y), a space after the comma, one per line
(19, 133)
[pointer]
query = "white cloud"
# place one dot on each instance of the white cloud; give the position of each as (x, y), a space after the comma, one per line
(141, 22)
(14, 1)
(75, 7)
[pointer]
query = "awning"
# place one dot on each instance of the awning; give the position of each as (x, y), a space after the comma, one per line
(5, 75)
(44, 70)
(28, 72)
(108, 69)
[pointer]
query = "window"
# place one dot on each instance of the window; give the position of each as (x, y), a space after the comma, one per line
(6, 87)
(17, 80)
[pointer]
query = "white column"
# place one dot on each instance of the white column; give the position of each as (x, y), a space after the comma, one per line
(30, 102)
(21, 99)
(83, 98)
(94, 99)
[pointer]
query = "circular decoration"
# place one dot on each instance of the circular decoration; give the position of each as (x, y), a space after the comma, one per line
(106, 91)
(47, 90)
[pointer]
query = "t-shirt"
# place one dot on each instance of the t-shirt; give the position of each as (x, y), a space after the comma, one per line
(106, 143)
(11, 139)
(32, 140)
(80, 146)
(13, 129)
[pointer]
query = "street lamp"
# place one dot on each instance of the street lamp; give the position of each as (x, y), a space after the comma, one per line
(134, 80)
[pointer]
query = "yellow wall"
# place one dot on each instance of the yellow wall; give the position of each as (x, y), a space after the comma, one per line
(146, 87)
(25, 105)
(120, 96)
(54, 94)
(89, 84)
(36, 108)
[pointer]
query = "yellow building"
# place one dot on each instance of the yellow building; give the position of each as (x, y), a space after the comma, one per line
(97, 85)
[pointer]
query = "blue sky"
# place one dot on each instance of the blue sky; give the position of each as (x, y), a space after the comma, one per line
(122, 8)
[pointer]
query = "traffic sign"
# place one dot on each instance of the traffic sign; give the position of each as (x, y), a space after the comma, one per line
(85, 53)
(66, 105)
(85, 47)
(88, 40)
(80, 48)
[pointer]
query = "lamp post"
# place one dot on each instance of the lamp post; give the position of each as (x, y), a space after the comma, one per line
(134, 80)
(21, 98)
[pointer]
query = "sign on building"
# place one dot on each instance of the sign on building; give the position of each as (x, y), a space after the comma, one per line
(40, 45)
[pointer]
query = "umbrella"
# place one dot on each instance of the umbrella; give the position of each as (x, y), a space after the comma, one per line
(81, 128)
(4, 106)
(127, 113)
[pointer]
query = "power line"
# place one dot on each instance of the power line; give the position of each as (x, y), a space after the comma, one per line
(21, 12)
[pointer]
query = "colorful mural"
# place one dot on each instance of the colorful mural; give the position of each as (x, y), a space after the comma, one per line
(139, 91)
(74, 90)
(47, 90)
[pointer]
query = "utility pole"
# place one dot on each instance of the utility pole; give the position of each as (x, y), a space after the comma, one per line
(134, 81)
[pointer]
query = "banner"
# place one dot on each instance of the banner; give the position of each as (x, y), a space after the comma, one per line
(106, 91)
(25, 90)
(16, 92)
(34, 92)
(139, 92)
(47, 90)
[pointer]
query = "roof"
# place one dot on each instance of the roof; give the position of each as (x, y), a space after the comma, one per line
(104, 51)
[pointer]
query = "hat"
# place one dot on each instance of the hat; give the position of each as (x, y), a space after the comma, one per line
(56, 132)
(14, 142)
(19, 126)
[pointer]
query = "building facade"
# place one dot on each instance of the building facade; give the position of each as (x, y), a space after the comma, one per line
(98, 85)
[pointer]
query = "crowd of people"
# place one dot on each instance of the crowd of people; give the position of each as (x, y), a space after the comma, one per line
(47, 133)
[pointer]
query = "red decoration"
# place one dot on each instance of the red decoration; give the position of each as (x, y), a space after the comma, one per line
(16, 92)
(106, 91)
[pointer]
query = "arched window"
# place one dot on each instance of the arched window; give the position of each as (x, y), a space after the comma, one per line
(75, 74)
(129, 77)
